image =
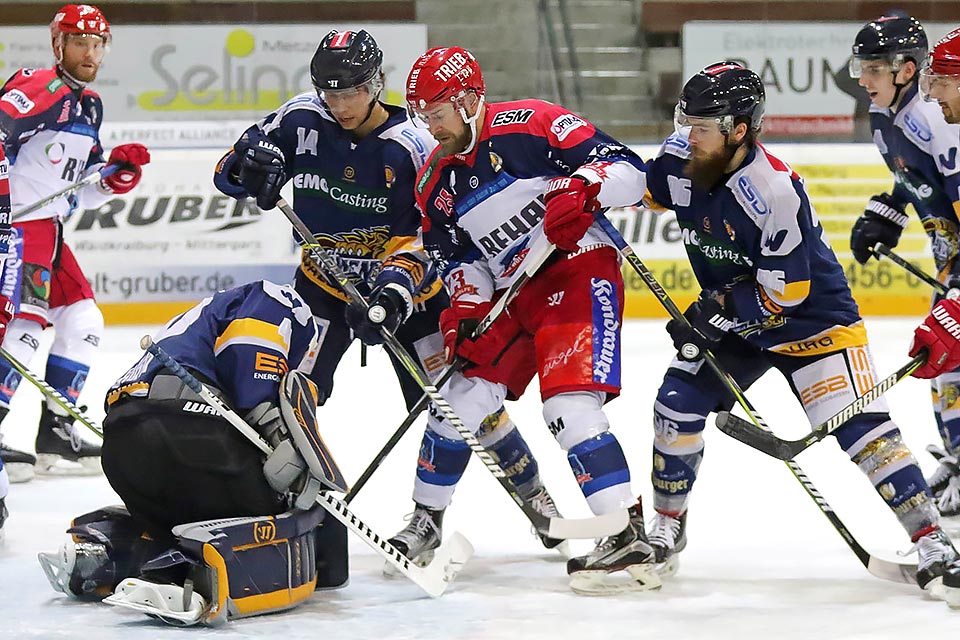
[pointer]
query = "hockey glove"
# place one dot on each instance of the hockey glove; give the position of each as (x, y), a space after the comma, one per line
(882, 221)
(570, 202)
(389, 306)
(458, 323)
(939, 335)
(705, 327)
(130, 157)
(263, 172)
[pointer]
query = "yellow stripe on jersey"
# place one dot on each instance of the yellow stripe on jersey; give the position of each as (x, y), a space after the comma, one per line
(253, 332)
(793, 293)
(139, 389)
(398, 244)
(829, 341)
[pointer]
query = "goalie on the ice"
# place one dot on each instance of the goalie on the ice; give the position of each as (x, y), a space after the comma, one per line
(210, 530)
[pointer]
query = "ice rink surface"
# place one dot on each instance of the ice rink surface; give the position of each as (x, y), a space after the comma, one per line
(762, 561)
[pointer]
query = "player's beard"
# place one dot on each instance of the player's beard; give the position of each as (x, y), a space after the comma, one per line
(706, 171)
(456, 143)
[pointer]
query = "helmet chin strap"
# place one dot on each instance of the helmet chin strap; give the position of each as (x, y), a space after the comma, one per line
(472, 121)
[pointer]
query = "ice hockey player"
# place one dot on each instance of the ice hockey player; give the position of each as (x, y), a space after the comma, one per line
(49, 126)
(484, 192)
(773, 296)
(9, 273)
(940, 77)
(353, 160)
(209, 529)
(917, 146)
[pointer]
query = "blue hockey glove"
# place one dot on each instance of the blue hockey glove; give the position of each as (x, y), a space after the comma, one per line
(389, 307)
(707, 325)
(882, 221)
(262, 171)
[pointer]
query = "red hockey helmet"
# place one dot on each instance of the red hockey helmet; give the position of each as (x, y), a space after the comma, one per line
(79, 18)
(940, 74)
(443, 74)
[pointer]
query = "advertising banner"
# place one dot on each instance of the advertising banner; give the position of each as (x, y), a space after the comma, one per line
(180, 72)
(803, 66)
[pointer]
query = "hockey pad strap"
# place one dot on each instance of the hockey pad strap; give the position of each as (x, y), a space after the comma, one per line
(298, 407)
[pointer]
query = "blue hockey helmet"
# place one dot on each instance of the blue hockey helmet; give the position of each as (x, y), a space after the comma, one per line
(725, 91)
(895, 38)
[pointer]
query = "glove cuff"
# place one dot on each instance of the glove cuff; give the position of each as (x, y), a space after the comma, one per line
(887, 212)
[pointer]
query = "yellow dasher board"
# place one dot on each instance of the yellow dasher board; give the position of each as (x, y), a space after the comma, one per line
(840, 179)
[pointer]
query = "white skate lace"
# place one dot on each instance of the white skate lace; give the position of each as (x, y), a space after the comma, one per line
(543, 504)
(69, 432)
(931, 548)
(664, 531)
(946, 467)
(421, 524)
(949, 500)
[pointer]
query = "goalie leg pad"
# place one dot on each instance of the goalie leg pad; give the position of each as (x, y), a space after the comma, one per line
(298, 406)
(105, 546)
(245, 566)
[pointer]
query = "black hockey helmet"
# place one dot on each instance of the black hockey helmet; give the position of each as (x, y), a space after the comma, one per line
(896, 38)
(724, 91)
(346, 59)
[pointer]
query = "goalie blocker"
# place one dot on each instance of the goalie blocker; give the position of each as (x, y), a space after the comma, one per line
(254, 542)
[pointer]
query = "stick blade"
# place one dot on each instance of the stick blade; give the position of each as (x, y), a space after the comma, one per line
(608, 524)
(763, 441)
(893, 571)
(447, 562)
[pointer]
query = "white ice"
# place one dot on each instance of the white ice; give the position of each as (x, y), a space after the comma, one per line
(762, 561)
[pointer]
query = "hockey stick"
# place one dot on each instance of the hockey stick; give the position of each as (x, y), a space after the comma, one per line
(881, 249)
(93, 178)
(433, 579)
(51, 393)
(884, 569)
(770, 444)
(563, 528)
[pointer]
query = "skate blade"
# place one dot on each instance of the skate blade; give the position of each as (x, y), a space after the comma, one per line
(51, 464)
(422, 560)
(19, 472)
(669, 568)
(935, 589)
(642, 577)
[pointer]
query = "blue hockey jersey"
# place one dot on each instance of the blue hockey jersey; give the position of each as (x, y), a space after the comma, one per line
(355, 196)
(483, 211)
(240, 340)
(921, 150)
(756, 238)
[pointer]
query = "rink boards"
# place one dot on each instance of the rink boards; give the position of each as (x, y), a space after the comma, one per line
(175, 239)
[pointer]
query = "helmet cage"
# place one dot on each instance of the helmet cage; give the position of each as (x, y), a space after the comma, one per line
(683, 122)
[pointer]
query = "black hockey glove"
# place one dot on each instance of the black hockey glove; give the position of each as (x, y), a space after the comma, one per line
(707, 324)
(389, 307)
(882, 221)
(262, 172)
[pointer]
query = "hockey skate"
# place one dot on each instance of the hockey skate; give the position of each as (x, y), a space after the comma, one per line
(542, 503)
(420, 538)
(628, 551)
(176, 605)
(668, 537)
(60, 449)
(936, 556)
(19, 464)
(946, 468)
(951, 586)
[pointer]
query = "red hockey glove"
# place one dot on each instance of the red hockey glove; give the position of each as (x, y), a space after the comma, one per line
(940, 336)
(457, 324)
(130, 157)
(570, 202)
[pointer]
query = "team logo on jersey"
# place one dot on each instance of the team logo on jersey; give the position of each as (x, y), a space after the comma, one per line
(513, 116)
(474, 182)
(565, 125)
(55, 152)
(752, 195)
(389, 175)
(706, 224)
(496, 162)
(348, 173)
(19, 100)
